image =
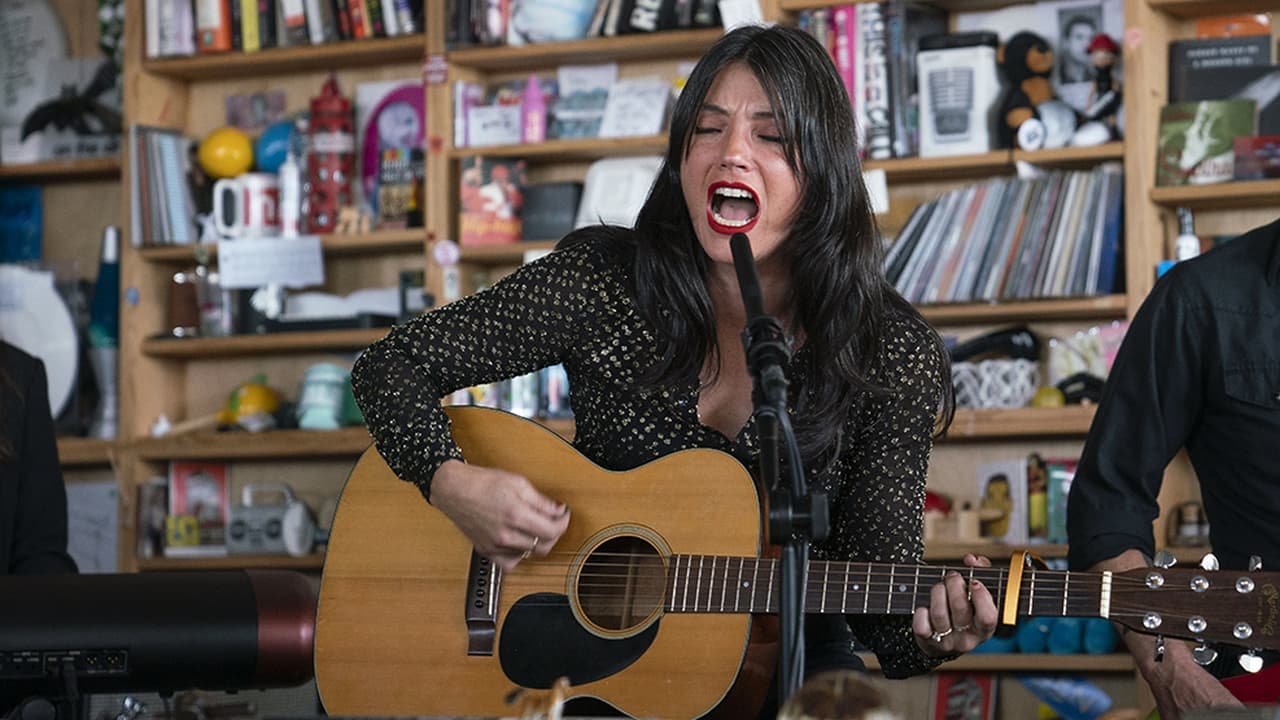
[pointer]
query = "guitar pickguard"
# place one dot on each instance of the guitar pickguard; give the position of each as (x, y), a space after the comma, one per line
(541, 640)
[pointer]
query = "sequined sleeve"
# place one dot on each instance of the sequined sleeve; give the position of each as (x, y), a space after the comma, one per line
(527, 321)
(877, 516)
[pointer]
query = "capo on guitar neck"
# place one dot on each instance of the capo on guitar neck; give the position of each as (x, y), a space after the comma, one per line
(1020, 560)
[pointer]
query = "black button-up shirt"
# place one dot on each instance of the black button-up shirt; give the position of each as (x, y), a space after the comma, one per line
(1199, 368)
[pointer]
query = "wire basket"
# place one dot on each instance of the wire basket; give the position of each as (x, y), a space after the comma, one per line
(995, 383)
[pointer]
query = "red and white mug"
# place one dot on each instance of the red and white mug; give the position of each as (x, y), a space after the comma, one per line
(247, 206)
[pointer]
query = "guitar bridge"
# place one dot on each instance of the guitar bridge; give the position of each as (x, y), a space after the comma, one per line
(484, 584)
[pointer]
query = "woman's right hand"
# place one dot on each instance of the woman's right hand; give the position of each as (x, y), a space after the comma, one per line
(501, 513)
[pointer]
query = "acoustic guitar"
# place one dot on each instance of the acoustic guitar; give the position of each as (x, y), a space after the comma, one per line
(646, 601)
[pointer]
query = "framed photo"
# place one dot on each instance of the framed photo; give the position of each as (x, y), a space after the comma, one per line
(199, 509)
(963, 696)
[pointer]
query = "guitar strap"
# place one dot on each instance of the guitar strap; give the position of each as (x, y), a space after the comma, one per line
(1260, 687)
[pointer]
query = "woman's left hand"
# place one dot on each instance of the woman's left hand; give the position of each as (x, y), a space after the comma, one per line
(960, 616)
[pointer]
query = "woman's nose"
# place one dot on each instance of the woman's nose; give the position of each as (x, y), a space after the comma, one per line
(737, 147)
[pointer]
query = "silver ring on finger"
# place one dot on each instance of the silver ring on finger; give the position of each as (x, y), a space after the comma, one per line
(532, 548)
(937, 636)
(963, 628)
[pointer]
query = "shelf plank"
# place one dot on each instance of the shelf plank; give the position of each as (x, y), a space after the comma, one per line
(84, 452)
(997, 162)
(242, 345)
(233, 562)
(61, 170)
(1118, 662)
(1098, 307)
(241, 445)
(1204, 8)
(575, 149)
(948, 5)
(291, 60)
(1239, 194)
(942, 552)
(380, 241)
(502, 254)
(1068, 421)
(623, 48)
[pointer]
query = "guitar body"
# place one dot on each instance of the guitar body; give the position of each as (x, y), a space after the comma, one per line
(392, 635)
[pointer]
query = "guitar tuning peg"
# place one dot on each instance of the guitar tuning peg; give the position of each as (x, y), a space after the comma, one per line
(1204, 654)
(1250, 661)
(1164, 559)
(1255, 563)
(1160, 649)
(1209, 562)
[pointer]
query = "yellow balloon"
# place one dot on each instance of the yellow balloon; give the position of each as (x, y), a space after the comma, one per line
(225, 152)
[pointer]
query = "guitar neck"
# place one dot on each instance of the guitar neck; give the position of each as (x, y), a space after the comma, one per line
(712, 584)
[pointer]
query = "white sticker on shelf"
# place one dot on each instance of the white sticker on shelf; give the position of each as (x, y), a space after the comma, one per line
(877, 190)
(255, 262)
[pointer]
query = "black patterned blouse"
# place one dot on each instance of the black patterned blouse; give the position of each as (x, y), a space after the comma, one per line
(574, 307)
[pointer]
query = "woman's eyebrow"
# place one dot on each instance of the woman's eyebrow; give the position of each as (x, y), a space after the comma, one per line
(757, 115)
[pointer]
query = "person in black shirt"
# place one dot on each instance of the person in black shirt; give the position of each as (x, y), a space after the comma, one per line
(647, 322)
(33, 500)
(1199, 369)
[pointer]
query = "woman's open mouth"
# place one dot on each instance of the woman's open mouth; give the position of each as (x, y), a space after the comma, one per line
(732, 207)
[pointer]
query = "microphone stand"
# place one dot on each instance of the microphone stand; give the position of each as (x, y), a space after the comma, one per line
(795, 516)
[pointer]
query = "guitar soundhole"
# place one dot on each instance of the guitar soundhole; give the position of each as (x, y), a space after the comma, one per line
(622, 584)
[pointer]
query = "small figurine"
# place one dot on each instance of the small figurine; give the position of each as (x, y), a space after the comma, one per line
(1099, 119)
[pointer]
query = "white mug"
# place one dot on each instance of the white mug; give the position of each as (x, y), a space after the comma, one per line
(247, 205)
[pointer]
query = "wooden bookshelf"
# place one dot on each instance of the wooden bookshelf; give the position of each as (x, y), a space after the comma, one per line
(996, 162)
(233, 562)
(53, 171)
(621, 49)
(243, 445)
(946, 551)
(290, 60)
(1098, 307)
(1068, 421)
(380, 241)
(243, 345)
(1202, 8)
(502, 254)
(1221, 196)
(84, 452)
(575, 149)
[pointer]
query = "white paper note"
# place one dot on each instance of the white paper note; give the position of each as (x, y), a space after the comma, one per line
(288, 262)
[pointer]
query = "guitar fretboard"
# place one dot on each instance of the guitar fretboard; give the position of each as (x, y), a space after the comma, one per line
(716, 584)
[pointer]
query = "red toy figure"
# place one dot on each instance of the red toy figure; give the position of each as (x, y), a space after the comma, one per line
(330, 157)
(1106, 97)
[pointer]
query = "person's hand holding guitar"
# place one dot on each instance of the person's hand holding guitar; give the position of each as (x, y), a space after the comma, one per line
(501, 513)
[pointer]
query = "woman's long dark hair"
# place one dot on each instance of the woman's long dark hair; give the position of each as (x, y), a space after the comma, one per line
(839, 292)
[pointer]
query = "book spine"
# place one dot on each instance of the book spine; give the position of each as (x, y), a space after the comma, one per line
(250, 38)
(237, 28)
(213, 25)
(343, 17)
(355, 10)
(404, 17)
(373, 12)
(843, 23)
(268, 28)
(294, 16)
(389, 21)
(879, 124)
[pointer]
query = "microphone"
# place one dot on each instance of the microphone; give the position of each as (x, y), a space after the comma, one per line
(766, 346)
(748, 279)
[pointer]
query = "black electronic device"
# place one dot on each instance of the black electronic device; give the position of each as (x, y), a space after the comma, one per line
(155, 632)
